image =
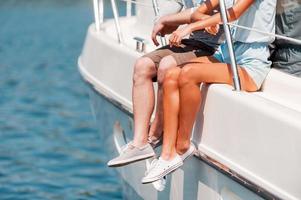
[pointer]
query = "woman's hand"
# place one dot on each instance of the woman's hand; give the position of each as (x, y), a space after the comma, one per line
(177, 36)
(213, 30)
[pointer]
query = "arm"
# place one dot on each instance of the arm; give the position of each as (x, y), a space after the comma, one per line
(188, 16)
(169, 23)
(233, 14)
(204, 9)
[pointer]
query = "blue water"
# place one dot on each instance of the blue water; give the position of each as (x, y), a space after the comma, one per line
(49, 146)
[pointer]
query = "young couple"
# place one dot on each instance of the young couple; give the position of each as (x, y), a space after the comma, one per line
(182, 66)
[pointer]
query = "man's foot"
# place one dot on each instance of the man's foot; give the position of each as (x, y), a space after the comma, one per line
(189, 152)
(160, 168)
(131, 153)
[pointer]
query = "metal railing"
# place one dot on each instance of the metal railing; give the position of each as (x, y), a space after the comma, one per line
(99, 15)
(157, 14)
(117, 24)
(223, 10)
(99, 18)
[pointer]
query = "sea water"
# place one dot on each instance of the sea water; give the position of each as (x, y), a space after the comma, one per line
(49, 146)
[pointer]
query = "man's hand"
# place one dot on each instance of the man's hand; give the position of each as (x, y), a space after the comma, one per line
(161, 29)
(213, 30)
(177, 36)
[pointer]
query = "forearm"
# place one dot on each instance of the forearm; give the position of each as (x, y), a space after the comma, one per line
(190, 15)
(204, 9)
(233, 14)
(177, 19)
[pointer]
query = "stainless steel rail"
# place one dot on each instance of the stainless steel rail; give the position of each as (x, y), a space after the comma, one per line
(157, 14)
(116, 19)
(98, 17)
(98, 13)
(128, 8)
(236, 79)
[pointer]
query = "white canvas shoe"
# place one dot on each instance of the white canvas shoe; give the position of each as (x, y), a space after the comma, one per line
(160, 168)
(131, 153)
(189, 152)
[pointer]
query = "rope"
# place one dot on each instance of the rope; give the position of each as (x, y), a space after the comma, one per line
(266, 33)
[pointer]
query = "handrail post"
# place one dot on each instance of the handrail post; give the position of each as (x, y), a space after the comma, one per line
(117, 24)
(101, 11)
(98, 13)
(157, 14)
(229, 41)
(128, 8)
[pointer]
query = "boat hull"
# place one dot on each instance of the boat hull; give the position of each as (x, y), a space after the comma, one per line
(252, 137)
(194, 180)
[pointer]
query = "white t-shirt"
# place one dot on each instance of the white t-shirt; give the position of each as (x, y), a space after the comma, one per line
(261, 16)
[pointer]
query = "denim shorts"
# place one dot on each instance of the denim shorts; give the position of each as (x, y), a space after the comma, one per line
(253, 57)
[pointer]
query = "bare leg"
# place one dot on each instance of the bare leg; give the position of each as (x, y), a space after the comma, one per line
(171, 111)
(157, 125)
(190, 97)
(143, 99)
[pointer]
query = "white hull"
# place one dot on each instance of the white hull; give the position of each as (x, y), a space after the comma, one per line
(253, 137)
(195, 180)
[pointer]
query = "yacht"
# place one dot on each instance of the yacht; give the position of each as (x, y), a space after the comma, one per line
(234, 161)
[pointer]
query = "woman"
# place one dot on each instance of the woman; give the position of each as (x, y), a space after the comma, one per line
(182, 95)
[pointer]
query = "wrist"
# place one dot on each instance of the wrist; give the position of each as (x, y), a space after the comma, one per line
(162, 20)
(189, 28)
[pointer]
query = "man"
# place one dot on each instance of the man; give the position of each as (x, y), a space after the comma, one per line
(287, 55)
(153, 66)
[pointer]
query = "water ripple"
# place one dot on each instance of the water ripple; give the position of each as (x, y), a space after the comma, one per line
(50, 148)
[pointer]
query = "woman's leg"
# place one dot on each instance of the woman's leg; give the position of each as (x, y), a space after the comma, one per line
(171, 112)
(190, 97)
(169, 160)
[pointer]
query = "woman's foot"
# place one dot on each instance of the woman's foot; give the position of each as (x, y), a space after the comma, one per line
(161, 168)
(190, 151)
(131, 153)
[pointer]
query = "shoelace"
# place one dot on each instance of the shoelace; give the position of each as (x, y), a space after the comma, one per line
(125, 147)
(157, 166)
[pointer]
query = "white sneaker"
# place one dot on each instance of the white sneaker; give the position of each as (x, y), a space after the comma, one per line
(131, 153)
(160, 168)
(189, 152)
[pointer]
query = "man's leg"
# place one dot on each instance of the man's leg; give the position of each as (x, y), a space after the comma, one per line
(143, 106)
(143, 99)
(157, 125)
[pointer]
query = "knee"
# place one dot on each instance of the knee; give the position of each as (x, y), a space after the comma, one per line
(144, 69)
(185, 76)
(171, 78)
(166, 63)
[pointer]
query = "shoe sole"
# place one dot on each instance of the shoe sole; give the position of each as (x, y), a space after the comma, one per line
(163, 174)
(132, 160)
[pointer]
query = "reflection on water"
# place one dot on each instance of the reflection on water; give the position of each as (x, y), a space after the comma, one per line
(50, 148)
